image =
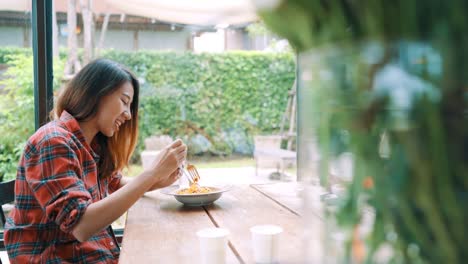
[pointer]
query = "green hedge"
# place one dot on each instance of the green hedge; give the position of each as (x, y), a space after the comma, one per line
(223, 98)
(17, 106)
(226, 97)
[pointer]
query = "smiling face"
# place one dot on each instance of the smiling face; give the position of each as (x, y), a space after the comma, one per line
(114, 110)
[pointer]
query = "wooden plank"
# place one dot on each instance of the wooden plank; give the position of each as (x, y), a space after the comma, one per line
(285, 194)
(305, 201)
(291, 195)
(244, 207)
(161, 230)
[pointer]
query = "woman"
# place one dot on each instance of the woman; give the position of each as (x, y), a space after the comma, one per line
(69, 187)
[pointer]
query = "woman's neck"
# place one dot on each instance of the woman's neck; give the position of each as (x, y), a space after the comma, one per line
(89, 131)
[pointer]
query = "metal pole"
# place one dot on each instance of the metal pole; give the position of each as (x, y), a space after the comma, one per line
(42, 50)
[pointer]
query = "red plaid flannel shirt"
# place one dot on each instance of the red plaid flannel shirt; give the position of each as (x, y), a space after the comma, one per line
(56, 181)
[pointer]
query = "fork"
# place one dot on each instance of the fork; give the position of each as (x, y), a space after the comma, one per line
(186, 173)
(192, 170)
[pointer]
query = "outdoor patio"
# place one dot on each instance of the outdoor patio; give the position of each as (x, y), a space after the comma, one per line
(345, 128)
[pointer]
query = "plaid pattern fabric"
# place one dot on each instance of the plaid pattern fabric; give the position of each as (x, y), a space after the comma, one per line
(56, 181)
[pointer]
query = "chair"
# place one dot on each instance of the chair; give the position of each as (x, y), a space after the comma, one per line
(119, 232)
(268, 151)
(7, 195)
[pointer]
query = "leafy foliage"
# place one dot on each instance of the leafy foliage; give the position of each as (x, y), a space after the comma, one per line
(7, 52)
(185, 94)
(225, 98)
(17, 108)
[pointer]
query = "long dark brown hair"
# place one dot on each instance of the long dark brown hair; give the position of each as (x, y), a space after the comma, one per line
(80, 98)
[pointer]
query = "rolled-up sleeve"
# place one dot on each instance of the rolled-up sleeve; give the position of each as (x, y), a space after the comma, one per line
(52, 172)
(114, 182)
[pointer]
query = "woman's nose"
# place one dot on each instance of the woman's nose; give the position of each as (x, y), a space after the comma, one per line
(127, 115)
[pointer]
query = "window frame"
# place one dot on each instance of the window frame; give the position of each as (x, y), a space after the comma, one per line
(41, 22)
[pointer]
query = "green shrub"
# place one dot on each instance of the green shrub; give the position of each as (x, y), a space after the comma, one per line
(225, 97)
(17, 108)
(219, 96)
(7, 52)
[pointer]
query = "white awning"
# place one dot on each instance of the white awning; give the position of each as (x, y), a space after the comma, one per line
(18, 5)
(192, 12)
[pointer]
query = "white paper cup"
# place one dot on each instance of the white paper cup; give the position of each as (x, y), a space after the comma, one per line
(213, 244)
(265, 243)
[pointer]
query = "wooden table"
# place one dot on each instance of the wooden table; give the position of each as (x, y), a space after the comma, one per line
(161, 230)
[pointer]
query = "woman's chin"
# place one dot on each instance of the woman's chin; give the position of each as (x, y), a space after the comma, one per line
(109, 133)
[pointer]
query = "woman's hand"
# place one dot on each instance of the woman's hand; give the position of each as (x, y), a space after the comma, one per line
(163, 172)
(165, 168)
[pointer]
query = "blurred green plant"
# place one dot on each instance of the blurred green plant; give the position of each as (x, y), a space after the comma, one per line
(389, 83)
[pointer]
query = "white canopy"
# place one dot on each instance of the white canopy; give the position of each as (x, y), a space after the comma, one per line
(18, 5)
(191, 12)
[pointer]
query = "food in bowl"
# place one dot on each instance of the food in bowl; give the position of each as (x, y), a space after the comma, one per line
(196, 199)
(195, 189)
